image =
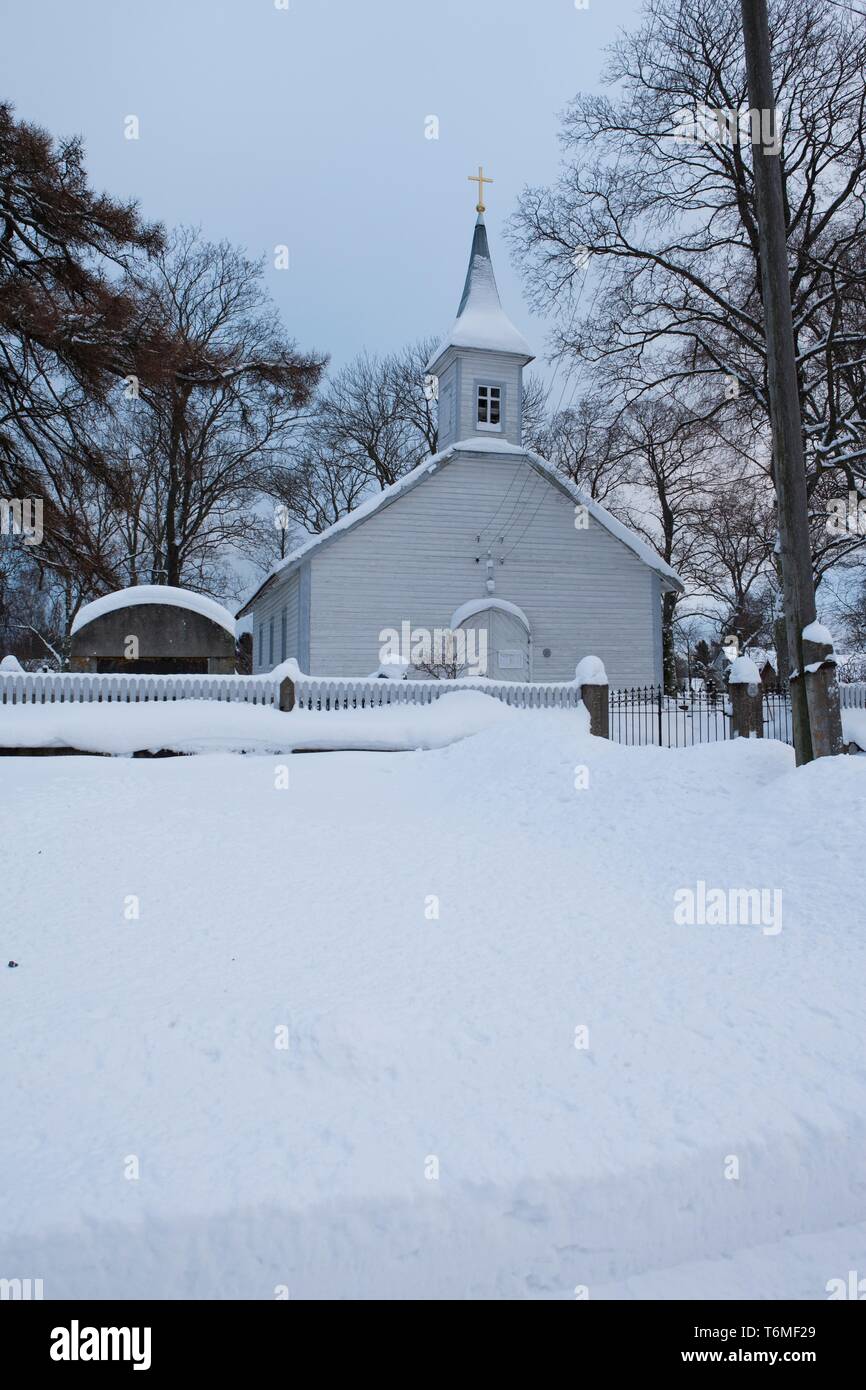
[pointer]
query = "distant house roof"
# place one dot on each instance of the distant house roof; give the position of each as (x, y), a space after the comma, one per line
(481, 320)
(167, 594)
(430, 465)
(762, 656)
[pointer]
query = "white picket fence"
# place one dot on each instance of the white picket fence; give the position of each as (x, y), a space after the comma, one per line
(330, 693)
(852, 695)
(311, 692)
(72, 687)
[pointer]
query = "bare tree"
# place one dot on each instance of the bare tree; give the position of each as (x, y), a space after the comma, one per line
(656, 205)
(70, 326)
(732, 560)
(377, 414)
(849, 615)
(534, 411)
(189, 452)
(671, 458)
(317, 488)
(589, 445)
(32, 610)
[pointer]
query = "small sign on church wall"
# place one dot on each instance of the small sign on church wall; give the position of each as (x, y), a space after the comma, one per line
(510, 660)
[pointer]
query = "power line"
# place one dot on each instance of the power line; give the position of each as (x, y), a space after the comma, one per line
(544, 487)
(513, 516)
(505, 498)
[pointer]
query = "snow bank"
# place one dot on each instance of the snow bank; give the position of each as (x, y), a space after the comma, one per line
(154, 593)
(11, 664)
(207, 726)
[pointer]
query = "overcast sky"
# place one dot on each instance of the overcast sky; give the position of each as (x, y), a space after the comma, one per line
(306, 127)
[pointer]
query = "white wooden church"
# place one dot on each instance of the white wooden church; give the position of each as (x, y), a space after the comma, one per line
(486, 539)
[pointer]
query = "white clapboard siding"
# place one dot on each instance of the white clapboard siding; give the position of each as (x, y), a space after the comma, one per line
(417, 560)
(282, 596)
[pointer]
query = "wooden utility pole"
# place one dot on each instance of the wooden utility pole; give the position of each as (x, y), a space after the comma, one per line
(814, 693)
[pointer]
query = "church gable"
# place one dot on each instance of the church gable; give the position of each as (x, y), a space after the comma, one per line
(502, 457)
(482, 525)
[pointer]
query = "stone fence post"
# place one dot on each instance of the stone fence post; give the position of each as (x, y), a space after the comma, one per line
(288, 675)
(287, 695)
(592, 679)
(822, 691)
(747, 698)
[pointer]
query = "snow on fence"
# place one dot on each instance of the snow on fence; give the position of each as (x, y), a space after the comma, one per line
(639, 716)
(72, 687)
(323, 693)
(311, 692)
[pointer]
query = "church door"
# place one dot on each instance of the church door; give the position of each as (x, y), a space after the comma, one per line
(506, 641)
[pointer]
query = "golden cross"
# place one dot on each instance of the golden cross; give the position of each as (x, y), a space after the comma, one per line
(481, 181)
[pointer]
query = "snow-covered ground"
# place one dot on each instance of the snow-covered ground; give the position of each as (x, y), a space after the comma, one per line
(430, 933)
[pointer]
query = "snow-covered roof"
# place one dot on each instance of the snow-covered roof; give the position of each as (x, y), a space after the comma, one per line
(429, 465)
(481, 320)
(138, 594)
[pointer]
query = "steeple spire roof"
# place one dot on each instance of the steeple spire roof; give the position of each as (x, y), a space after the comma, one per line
(481, 320)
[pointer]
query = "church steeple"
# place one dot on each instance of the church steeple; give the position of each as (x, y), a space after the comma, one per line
(480, 362)
(481, 320)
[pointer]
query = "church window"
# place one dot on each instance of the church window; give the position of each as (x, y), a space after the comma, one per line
(283, 634)
(271, 644)
(490, 407)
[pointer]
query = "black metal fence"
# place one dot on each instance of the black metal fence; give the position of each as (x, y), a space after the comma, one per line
(647, 715)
